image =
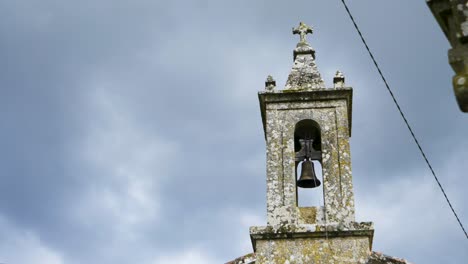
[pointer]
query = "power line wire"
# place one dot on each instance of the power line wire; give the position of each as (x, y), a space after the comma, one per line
(403, 116)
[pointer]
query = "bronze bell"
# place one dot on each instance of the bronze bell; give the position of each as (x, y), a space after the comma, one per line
(308, 178)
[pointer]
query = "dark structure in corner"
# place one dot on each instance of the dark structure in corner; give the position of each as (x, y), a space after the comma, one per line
(452, 16)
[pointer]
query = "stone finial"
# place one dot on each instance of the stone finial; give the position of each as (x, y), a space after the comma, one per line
(304, 74)
(338, 80)
(270, 83)
(302, 30)
(339, 74)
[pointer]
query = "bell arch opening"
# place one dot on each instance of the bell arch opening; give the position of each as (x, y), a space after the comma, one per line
(308, 167)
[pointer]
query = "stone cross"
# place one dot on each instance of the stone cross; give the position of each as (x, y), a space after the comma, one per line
(302, 30)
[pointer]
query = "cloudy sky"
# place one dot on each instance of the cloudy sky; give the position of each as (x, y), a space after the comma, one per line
(131, 133)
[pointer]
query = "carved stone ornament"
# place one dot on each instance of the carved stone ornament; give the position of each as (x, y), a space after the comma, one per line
(338, 80)
(302, 30)
(270, 83)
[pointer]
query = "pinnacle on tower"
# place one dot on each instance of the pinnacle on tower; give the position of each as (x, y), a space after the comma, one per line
(304, 73)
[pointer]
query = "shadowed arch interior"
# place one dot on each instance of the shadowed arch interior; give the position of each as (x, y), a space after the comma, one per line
(307, 129)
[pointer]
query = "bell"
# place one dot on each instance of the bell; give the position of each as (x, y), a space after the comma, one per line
(308, 178)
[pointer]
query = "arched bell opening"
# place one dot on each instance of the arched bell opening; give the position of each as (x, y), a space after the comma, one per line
(308, 158)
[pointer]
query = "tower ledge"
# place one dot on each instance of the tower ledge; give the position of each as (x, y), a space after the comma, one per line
(330, 231)
(291, 96)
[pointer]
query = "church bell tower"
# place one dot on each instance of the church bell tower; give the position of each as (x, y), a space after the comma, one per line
(306, 124)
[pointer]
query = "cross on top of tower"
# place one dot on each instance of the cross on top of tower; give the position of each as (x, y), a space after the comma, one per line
(302, 30)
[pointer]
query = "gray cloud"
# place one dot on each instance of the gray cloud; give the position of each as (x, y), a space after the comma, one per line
(131, 131)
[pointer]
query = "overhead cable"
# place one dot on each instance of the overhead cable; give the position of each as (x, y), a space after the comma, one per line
(404, 117)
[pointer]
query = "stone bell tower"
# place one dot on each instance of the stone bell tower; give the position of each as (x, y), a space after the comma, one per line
(303, 123)
(307, 123)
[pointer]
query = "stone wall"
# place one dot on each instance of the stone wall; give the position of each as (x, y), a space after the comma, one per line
(306, 251)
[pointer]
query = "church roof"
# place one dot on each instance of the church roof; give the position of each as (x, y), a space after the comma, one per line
(379, 258)
(374, 258)
(247, 259)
